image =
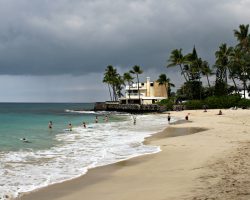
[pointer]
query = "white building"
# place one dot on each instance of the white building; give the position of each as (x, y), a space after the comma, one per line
(241, 92)
(150, 92)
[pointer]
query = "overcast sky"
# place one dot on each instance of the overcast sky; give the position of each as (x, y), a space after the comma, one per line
(57, 51)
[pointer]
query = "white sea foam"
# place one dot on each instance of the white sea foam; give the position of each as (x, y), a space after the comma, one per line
(80, 111)
(80, 150)
(96, 112)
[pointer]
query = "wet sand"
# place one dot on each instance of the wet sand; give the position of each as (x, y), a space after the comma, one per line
(206, 158)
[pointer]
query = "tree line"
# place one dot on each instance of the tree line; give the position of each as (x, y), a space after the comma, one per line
(116, 82)
(232, 62)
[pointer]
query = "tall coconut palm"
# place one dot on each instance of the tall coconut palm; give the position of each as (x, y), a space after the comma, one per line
(222, 61)
(239, 66)
(137, 70)
(206, 71)
(109, 71)
(243, 37)
(110, 77)
(164, 80)
(177, 59)
(128, 78)
(118, 82)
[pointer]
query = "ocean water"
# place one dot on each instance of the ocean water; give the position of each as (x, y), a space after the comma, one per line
(55, 155)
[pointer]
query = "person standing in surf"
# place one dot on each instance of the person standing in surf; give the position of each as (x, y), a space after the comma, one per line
(169, 118)
(50, 124)
(70, 127)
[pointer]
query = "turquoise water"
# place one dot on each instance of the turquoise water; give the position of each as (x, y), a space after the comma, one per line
(30, 121)
(56, 155)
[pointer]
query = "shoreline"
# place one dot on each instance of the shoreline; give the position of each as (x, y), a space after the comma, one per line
(167, 132)
(179, 171)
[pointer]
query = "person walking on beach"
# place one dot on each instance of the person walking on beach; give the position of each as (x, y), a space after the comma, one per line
(50, 125)
(169, 118)
(187, 117)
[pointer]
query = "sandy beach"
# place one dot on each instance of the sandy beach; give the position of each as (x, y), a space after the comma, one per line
(206, 157)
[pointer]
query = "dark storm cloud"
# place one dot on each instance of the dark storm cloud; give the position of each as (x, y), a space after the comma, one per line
(83, 36)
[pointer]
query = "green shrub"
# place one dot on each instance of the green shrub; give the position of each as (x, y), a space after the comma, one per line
(244, 103)
(168, 103)
(222, 101)
(194, 104)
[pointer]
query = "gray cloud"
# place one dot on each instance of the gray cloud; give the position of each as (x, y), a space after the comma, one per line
(55, 88)
(57, 51)
(80, 37)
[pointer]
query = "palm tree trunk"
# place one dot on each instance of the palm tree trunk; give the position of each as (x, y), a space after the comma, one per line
(235, 86)
(110, 92)
(183, 73)
(138, 89)
(200, 87)
(208, 81)
(244, 87)
(114, 96)
(129, 91)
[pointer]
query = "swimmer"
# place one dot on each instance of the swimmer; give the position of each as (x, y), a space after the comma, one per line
(106, 118)
(70, 127)
(50, 125)
(25, 140)
(84, 124)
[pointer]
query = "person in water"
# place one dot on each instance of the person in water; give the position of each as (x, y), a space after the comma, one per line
(70, 127)
(25, 140)
(96, 119)
(106, 119)
(50, 124)
(84, 124)
(169, 118)
(134, 119)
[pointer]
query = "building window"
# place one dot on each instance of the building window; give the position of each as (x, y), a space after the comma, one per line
(142, 83)
(151, 84)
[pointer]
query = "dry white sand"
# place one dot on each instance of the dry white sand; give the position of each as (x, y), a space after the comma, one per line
(211, 164)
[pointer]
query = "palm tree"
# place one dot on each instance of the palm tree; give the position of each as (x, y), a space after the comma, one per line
(177, 59)
(206, 71)
(222, 61)
(128, 78)
(164, 80)
(109, 71)
(194, 68)
(110, 77)
(243, 37)
(137, 70)
(239, 66)
(118, 82)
